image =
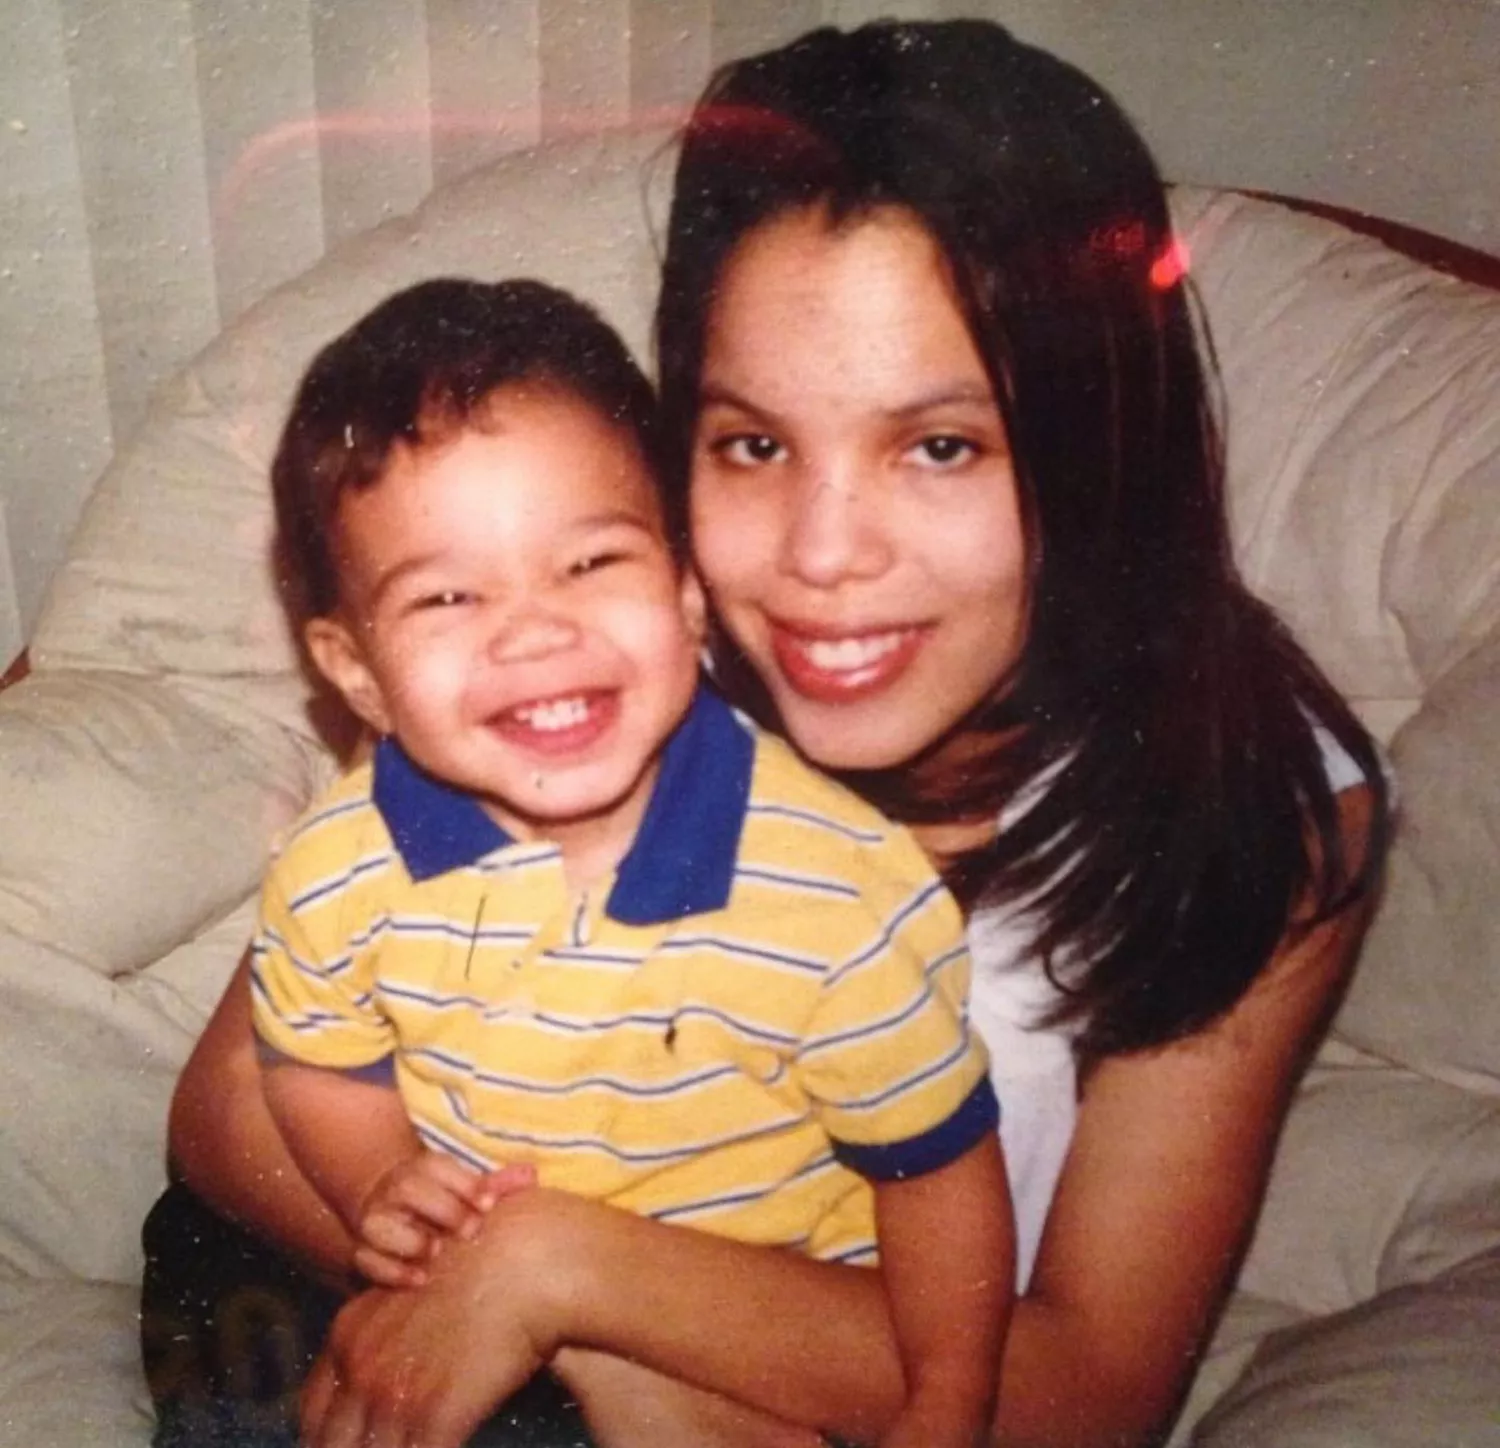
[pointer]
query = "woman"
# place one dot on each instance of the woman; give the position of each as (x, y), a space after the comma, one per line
(955, 485)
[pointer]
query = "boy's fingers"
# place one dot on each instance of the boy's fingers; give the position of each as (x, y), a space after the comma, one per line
(434, 1203)
(396, 1234)
(385, 1271)
(505, 1181)
(453, 1176)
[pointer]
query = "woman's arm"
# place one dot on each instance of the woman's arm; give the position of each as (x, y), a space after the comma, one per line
(227, 1148)
(1159, 1196)
(1155, 1205)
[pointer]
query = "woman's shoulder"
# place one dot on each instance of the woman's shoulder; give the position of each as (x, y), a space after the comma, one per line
(799, 812)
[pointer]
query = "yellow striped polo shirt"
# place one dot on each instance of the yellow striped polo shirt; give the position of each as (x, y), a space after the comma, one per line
(764, 1007)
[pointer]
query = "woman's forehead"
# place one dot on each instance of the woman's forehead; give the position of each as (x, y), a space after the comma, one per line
(863, 307)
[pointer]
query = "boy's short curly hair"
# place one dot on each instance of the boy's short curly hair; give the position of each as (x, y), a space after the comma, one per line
(418, 368)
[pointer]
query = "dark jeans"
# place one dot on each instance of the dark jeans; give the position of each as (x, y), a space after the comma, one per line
(230, 1327)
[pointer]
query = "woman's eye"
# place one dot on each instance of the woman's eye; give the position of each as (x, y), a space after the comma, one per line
(748, 449)
(943, 450)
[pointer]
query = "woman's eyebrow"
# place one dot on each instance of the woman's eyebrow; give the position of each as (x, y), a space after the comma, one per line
(714, 394)
(962, 394)
(957, 394)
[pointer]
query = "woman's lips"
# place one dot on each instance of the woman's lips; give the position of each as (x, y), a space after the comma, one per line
(832, 667)
(559, 726)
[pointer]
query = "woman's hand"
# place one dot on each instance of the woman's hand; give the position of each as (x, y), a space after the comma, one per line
(426, 1366)
(398, 1370)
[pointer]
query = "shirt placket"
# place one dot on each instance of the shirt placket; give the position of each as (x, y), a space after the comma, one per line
(514, 920)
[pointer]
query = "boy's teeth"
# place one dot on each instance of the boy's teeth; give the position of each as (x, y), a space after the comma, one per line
(842, 655)
(553, 714)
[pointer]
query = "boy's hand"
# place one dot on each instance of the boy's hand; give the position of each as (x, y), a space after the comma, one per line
(417, 1204)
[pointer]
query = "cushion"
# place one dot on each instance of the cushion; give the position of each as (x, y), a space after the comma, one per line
(1364, 441)
(70, 1374)
(77, 1178)
(1412, 1368)
(1427, 991)
(138, 809)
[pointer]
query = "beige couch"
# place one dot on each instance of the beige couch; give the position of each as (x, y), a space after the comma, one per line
(162, 737)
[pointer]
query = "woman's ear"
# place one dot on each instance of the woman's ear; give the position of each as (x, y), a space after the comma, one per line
(694, 605)
(341, 661)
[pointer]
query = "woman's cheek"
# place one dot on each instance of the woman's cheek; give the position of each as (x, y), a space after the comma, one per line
(735, 539)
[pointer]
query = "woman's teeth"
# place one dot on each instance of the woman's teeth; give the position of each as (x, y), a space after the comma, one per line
(553, 714)
(844, 655)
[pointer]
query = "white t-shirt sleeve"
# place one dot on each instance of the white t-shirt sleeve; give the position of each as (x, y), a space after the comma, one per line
(1340, 766)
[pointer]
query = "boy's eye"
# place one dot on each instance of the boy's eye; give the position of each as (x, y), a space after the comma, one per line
(443, 598)
(944, 449)
(594, 562)
(748, 449)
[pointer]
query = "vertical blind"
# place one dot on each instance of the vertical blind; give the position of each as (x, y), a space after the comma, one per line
(164, 163)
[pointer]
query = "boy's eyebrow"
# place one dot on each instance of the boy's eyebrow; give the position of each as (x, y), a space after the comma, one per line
(394, 575)
(614, 518)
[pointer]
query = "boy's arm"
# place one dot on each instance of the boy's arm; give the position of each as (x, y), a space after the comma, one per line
(947, 1258)
(354, 1142)
(347, 1135)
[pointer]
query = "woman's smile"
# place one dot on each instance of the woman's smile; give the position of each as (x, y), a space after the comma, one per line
(833, 665)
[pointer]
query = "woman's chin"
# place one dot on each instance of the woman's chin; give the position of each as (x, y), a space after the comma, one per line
(839, 739)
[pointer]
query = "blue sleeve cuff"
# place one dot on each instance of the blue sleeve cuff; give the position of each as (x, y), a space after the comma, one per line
(377, 1073)
(977, 1116)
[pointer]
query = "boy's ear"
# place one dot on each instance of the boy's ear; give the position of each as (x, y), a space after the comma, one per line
(341, 661)
(694, 604)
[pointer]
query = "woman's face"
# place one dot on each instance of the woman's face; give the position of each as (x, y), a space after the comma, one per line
(854, 507)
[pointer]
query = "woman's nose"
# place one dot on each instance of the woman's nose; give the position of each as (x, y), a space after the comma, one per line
(835, 531)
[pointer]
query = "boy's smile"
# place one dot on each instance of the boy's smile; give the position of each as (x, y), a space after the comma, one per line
(513, 614)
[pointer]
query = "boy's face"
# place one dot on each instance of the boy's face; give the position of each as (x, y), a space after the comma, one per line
(512, 613)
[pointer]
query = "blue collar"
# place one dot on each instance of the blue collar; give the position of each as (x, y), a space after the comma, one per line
(682, 859)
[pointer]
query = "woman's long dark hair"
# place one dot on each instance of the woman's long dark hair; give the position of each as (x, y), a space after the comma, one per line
(1159, 715)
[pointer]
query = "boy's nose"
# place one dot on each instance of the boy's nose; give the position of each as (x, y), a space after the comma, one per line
(530, 632)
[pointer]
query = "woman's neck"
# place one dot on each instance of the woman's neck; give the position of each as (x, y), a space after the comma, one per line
(947, 841)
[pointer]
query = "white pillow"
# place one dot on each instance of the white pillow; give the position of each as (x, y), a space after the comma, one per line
(1427, 991)
(1364, 439)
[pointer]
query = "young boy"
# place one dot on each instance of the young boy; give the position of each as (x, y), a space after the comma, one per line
(580, 913)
